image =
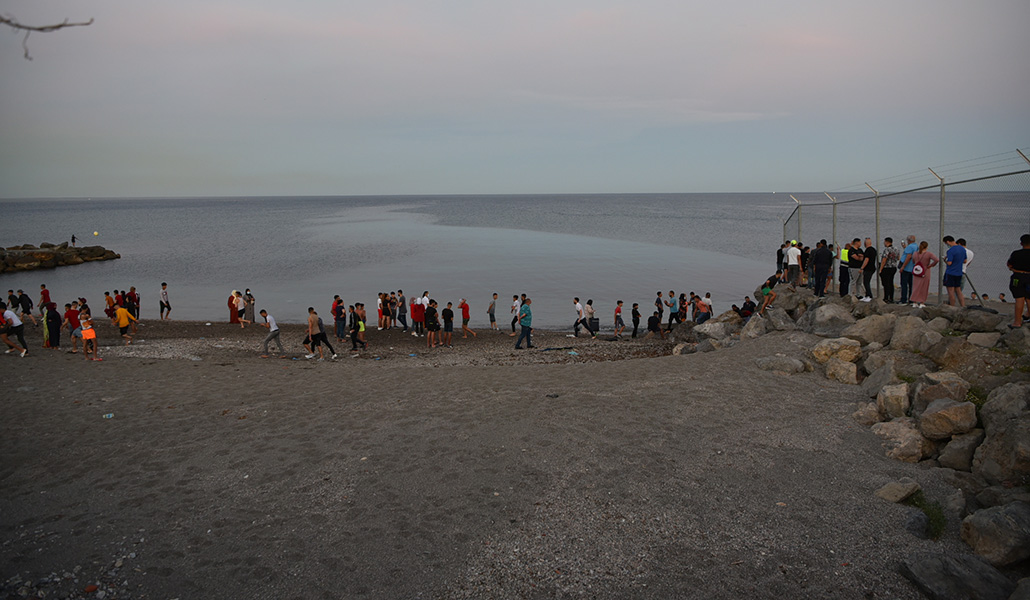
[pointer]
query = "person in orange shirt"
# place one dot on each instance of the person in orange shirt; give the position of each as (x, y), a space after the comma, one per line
(122, 318)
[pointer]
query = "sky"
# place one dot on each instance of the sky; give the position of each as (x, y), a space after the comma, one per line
(319, 97)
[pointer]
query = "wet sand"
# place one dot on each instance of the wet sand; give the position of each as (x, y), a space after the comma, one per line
(474, 472)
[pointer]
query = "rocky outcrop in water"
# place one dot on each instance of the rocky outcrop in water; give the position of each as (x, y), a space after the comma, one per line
(49, 256)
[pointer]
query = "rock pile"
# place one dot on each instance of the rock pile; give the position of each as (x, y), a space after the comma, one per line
(48, 256)
(948, 388)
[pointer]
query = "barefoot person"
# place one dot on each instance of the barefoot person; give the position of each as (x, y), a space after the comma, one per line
(71, 322)
(465, 316)
(432, 324)
(492, 311)
(619, 323)
(448, 325)
(1019, 282)
(515, 307)
(273, 332)
(89, 337)
(122, 319)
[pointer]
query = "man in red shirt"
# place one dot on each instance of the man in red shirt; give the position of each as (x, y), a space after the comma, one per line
(71, 321)
(464, 306)
(44, 297)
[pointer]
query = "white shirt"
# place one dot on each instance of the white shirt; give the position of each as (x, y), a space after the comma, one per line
(272, 326)
(164, 295)
(425, 300)
(515, 306)
(707, 301)
(12, 318)
(969, 259)
(579, 310)
(793, 256)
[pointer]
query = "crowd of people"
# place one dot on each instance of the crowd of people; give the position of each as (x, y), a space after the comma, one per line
(858, 262)
(797, 265)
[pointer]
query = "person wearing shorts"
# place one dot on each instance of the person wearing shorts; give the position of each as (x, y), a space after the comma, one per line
(465, 317)
(432, 324)
(768, 294)
(122, 318)
(1019, 283)
(619, 323)
(955, 258)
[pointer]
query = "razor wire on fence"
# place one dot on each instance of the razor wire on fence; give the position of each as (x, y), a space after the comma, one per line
(984, 201)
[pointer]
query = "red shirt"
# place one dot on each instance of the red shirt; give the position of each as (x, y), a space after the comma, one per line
(44, 297)
(72, 316)
(465, 311)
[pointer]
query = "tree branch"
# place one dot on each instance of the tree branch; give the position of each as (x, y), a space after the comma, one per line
(28, 29)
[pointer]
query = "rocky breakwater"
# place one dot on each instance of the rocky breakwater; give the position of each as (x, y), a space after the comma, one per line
(946, 388)
(49, 256)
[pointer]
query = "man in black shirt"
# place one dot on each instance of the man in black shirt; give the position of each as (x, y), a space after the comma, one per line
(868, 269)
(822, 261)
(1019, 283)
(448, 325)
(636, 318)
(654, 325)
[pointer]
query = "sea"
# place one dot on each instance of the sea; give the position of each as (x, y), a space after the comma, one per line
(296, 252)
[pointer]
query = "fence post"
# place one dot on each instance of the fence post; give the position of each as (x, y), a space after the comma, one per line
(940, 244)
(836, 247)
(877, 239)
(784, 230)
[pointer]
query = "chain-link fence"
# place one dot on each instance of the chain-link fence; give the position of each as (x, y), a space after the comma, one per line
(985, 201)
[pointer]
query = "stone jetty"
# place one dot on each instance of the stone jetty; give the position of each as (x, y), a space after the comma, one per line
(48, 256)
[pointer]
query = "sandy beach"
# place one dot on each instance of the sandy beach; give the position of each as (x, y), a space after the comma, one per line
(620, 471)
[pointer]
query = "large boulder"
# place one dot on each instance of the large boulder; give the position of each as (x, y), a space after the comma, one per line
(711, 330)
(958, 454)
(892, 400)
(945, 417)
(962, 577)
(780, 364)
(842, 371)
(999, 495)
(875, 328)
(935, 386)
(902, 440)
(1006, 403)
(913, 334)
(975, 319)
(1004, 457)
(906, 364)
(867, 414)
(755, 327)
(1001, 534)
(984, 340)
(844, 349)
(885, 375)
(780, 320)
(826, 320)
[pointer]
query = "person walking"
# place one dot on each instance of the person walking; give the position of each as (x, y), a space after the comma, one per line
(581, 320)
(526, 323)
(402, 310)
(122, 319)
(273, 333)
(888, 268)
(1019, 281)
(25, 305)
(516, 306)
(907, 264)
(234, 315)
(492, 312)
(465, 318)
(12, 325)
(166, 305)
(924, 262)
(620, 325)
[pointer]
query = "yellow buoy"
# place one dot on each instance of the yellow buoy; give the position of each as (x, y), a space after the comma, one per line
(96, 233)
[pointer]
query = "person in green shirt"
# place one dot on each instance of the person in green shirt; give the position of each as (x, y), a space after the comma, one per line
(526, 322)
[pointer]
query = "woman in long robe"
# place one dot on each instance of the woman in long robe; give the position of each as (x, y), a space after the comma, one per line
(234, 317)
(921, 283)
(51, 327)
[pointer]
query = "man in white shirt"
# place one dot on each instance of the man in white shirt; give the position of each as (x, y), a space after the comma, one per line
(969, 259)
(581, 320)
(516, 306)
(17, 329)
(273, 332)
(793, 255)
(165, 304)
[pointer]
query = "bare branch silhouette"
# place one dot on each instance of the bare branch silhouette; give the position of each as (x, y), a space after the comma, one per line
(28, 29)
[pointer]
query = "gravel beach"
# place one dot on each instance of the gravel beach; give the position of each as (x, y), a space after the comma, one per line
(187, 466)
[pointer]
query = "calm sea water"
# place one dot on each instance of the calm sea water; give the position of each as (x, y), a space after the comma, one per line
(299, 252)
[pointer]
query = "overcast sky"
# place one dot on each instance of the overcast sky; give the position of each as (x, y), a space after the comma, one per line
(216, 97)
